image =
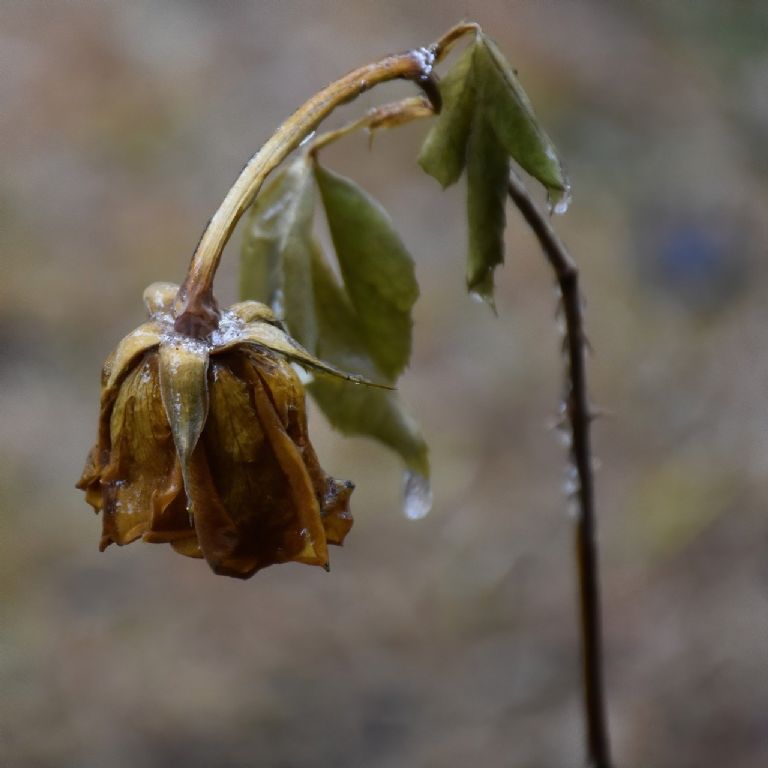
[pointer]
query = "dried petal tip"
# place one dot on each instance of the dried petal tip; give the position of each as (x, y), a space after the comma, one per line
(159, 298)
(203, 445)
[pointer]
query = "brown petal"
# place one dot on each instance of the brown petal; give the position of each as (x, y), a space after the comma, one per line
(332, 494)
(262, 484)
(127, 352)
(159, 297)
(219, 538)
(268, 403)
(170, 520)
(141, 457)
(251, 311)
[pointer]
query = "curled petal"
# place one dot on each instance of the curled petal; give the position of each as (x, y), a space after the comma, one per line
(270, 507)
(159, 298)
(169, 519)
(127, 352)
(287, 396)
(314, 551)
(218, 536)
(141, 459)
(254, 311)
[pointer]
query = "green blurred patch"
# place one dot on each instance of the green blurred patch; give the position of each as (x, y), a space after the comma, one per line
(676, 502)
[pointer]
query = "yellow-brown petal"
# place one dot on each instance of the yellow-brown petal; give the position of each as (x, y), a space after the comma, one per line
(252, 311)
(159, 297)
(170, 520)
(332, 494)
(220, 540)
(127, 352)
(141, 455)
(261, 481)
(268, 402)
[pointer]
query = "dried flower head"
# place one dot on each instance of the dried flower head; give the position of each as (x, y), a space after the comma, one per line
(203, 444)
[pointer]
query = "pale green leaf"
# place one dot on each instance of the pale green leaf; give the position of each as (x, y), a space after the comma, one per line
(275, 261)
(377, 270)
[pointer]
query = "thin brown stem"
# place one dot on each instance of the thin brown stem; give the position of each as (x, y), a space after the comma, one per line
(579, 417)
(378, 118)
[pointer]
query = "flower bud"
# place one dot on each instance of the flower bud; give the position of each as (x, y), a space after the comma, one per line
(203, 444)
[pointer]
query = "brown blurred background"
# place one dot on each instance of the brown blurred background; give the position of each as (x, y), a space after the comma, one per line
(446, 642)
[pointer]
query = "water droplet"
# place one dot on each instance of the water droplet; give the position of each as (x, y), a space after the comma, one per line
(278, 303)
(417, 496)
(483, 298)
(570, 488)
(564, 437)
(559, 202)
(305, 376)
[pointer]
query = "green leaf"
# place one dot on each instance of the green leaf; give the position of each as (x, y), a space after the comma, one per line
(276, 259)
(486, 119)
(487, 178)
(362, 326)
(377, 270)
(443, 153)
(352, 408)
(509, 111)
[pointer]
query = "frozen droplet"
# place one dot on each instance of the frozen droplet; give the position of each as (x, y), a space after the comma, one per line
(484, 298)
(417, 496)
(570, 487)
(305, 376)
(278, 303)
(564, 436)
(559, 201)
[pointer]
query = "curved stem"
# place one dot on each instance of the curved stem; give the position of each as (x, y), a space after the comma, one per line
(196, 312)
(580, 417)
(195, 308)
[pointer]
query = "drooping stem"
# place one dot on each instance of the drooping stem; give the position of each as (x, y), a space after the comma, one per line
(579, 416)
(195, 309)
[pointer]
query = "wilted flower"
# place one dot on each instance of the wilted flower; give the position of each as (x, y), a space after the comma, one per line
(203, 444)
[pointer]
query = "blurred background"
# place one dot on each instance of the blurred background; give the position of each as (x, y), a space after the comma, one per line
(450, 641)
